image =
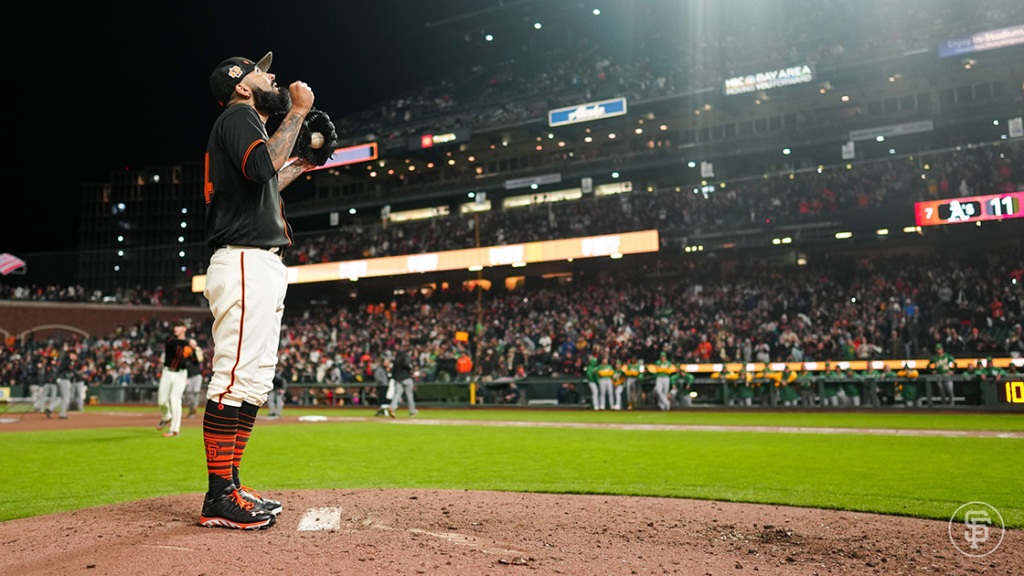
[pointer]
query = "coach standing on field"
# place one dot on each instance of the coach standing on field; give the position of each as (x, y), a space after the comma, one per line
(173, 377)
(246, 281)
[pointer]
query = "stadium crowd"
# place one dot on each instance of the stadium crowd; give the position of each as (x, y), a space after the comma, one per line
(889, 308)
(665, 59)
(680, 212)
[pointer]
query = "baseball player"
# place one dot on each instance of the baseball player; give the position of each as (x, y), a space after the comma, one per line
(832, 391)
(68, 369)
(382, 378)
(591, 376)
(605, 388)
(789, 394)
(943, 364)
(684, 386)
(664, 373)
(173, 377)
(631, 372)
(194, 381)
(869, 379)
(909, 388)
(246, 280)
(807, 384)
(851, 387)
(275, 400)
(402, 372)
(744, 385)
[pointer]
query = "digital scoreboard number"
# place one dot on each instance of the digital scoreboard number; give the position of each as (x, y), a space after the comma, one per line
(969, 209)
(1011, 392)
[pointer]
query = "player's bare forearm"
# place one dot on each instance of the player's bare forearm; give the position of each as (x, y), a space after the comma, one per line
(281, 143)
(289, 173)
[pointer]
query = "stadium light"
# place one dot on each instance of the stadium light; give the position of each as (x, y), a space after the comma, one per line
(843, 235)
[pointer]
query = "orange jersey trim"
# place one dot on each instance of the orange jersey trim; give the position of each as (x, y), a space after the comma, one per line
(248, 151)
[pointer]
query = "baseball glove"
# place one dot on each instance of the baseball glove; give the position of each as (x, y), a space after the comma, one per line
(315, 122)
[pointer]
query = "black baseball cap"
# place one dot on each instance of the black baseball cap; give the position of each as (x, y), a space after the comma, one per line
(230, 72)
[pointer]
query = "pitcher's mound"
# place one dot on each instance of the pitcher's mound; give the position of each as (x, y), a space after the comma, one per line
(396, 532)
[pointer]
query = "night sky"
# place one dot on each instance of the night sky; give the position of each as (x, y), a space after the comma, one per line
(100, 86)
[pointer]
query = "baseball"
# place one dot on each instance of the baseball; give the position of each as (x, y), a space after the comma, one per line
(316, 140)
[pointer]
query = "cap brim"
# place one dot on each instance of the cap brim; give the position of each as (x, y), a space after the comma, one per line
(264, 63)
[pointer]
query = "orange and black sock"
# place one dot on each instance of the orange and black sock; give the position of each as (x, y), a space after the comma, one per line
(246, 420)
(220, 425)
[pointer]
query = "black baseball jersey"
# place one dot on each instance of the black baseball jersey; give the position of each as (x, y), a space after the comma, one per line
(68, 367)
(243, 202)
(176, 353)
(402, 368)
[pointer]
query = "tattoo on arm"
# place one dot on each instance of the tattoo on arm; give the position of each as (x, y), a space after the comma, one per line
(290, 173)
(281, 143)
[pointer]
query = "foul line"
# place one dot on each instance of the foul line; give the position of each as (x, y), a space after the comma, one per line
(698, 428)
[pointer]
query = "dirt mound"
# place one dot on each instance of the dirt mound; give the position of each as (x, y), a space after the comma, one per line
(396, 532)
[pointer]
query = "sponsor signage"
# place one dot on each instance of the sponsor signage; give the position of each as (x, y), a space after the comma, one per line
(981, 41)
(892, 130)
(530, 181)
(587, 112)
(429, 140)
(612, 245)
(350, 155)
(769, 79)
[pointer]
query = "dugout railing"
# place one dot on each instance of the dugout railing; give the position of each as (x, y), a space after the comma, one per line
(969, 391)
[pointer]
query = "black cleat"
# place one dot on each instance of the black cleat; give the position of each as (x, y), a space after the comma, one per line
(229, 509)
(272, 506)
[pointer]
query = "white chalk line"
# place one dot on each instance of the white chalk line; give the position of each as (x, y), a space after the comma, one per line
(703, 428)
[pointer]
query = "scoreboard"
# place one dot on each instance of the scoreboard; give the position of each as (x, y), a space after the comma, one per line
(969, 209)
(1010, 392)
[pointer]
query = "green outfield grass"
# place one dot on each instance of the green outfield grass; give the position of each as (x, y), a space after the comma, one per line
(927, 477)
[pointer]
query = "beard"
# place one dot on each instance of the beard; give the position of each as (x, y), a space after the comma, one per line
(271, 102)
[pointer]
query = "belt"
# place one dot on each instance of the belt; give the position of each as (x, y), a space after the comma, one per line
(272, 249)
(169, 369)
